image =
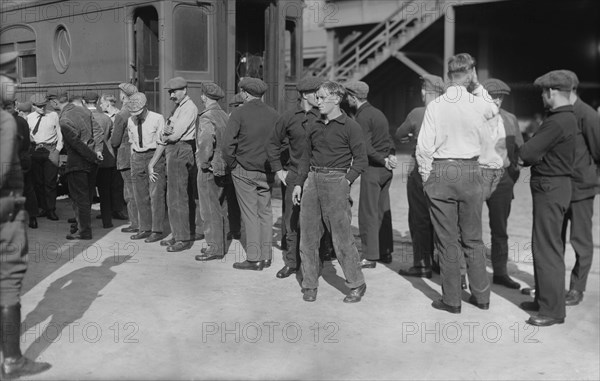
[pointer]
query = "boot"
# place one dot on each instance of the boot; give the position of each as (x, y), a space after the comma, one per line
(15, 365)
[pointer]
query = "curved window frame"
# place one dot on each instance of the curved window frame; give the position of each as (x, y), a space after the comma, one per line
(25, 48)
(57, 57)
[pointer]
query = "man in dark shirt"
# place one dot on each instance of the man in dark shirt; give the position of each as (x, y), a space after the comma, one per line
(244, 150)
(419, 221)
(374, 213)
(584, 190)
(334, 157)
(291, 128)
(551, 154)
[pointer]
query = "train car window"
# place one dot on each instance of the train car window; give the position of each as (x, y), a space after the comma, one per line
(290, 50)
(191, 38)
(21, 39)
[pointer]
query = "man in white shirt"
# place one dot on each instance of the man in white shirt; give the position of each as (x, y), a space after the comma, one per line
(448, 150)
(47, 141)
(145, 129)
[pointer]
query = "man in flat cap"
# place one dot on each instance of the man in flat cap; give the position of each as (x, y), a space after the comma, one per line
(145, 131)
(84, 142)
(47, 141)
(179, 136)
(13, 235)
(212, 175)
(448, 148)
(244, 151)
(374, 212)
(290, 130)
(334, 157)
(551, 154)
(119, 140)
(419, 221)
(583, 191)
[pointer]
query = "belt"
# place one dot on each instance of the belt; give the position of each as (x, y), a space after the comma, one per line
(45, 145)
(327, 169)
(150, 150)
(474, 158)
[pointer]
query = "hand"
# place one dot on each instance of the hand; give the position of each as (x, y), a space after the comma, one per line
(405, 139)
(168, 129)
(391, 162)
(282, 174)
(297, 195)
(99, 156)
(153, 175)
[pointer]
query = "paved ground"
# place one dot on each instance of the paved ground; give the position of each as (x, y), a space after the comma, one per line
(117, 309)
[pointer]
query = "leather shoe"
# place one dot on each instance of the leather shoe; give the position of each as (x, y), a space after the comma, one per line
(51, 215)
(33, 224)
(544, 321)
(356, 294)
(530, 306)
(310, 294)
(286, 271)
(120, 216)
(234, 235)
(75, 236)
(421, 272)
(141, 235)
(385, 258)
(73, 228)
(72, 220)
(481, 306)
(463, 282)
(155, 236)
(267, 263)
(208, 254)
(249, 265)
(167, 242)
(108, 226)
(129, 229)
(179, 246)
(440, 305)
(528, 291)
(367, 264)
(573, 297)
(14, 368)
(506, 281)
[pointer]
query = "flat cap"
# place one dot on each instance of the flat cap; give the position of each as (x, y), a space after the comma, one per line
(38, 100)
(8, 64)
(573, 77)
(212, 90)
(91, 97)
(128, 88)
(253, 86)
(309, 84)
(432, 83)
(236, 100)
(176, 83)
(357, 88)
(496, 86)
(136, 102)
(556, 79)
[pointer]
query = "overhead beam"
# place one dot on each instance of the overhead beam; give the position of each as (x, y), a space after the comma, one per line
(410, 63)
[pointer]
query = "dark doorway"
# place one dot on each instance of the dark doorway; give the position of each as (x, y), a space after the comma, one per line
(146, 54)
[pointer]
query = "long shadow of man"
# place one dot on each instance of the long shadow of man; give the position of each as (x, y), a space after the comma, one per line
(66, 300)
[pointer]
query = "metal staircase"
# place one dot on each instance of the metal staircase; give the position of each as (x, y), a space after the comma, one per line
(385, 40)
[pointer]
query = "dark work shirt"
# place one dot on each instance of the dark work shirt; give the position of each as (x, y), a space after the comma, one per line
(338, 144)
(551, 150)
(587, 151)
(376, 130)
(76, 125)
(291, 128)
(247, 135)
(24, 142)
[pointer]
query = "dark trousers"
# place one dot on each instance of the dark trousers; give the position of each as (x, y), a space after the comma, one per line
(107, 181)
(213, 209)
(374, 213)
(31, 204)
(326, 203)
(551, 198)
(180, 198)
(419, 221)
(499, 210)
(13, 258)
(455, 193)
(44, 164)
(234, 215)
(149, 196)
(82, 186)
(129, 196)
(253, 190)
(291, 223)
(580, 214)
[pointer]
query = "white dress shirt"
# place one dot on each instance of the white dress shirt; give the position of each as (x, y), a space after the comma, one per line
(152, 130)
(48, 131)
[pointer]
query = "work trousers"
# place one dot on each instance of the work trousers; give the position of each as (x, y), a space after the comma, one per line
(129, 196)
(580, 214)
(551, 198)
(180, 194)
(374, 213)
(108, 181)
(13, 258)
(291, 223)
(213, 209)
(419, 220)
(82, 186)
(253, 190)
(326, 203)
(149, 196)
(499, 210)
(455, 193)
(44, 164)
(31, 204)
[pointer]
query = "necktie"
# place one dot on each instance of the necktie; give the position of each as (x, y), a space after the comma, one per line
(37, 125)
(140, 121)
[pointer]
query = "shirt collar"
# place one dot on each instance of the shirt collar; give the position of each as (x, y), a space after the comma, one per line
(566, 108)
(340, 119)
